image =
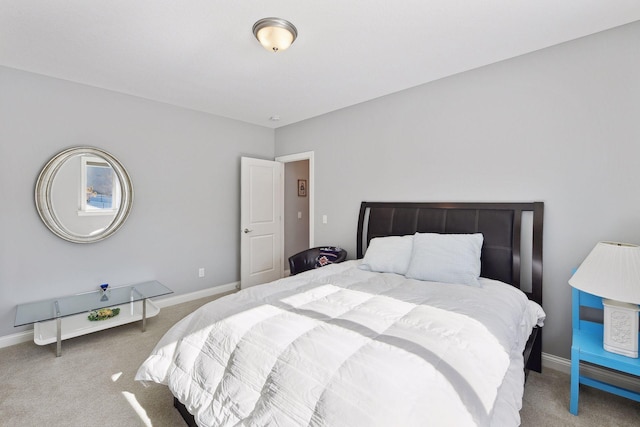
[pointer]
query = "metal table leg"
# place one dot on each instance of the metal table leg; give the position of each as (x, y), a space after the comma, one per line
(144, 315)
(58, 331)
(59, 337)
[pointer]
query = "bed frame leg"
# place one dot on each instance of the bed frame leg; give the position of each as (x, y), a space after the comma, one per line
(186, 416)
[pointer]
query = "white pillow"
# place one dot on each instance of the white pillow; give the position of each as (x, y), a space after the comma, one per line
(388, 254)
(448, 258)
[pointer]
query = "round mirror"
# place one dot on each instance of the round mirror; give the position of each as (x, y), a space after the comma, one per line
(84, 194)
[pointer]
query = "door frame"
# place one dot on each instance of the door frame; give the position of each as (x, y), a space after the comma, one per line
(307, 155)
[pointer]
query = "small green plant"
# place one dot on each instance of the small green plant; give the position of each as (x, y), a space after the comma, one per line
(103, 314)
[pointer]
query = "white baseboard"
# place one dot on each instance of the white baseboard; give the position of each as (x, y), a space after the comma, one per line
(17, 338)
(612, 377)
(556, 363)
(209, 292)
(24, 336)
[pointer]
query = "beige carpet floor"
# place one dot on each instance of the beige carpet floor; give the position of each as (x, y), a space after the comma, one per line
(92, 385)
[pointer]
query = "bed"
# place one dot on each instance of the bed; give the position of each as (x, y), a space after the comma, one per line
(402, 335)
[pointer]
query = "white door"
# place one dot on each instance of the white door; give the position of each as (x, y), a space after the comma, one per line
(261, 248)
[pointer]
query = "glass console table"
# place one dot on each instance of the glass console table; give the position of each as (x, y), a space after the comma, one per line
(62, 318)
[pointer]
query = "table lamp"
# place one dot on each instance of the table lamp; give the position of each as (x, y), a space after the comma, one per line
(612, 271)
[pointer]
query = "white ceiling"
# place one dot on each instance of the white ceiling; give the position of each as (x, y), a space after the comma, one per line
(201, 54)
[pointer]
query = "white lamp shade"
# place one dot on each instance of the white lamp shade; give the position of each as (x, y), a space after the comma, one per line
(611, 270)
(275, 38)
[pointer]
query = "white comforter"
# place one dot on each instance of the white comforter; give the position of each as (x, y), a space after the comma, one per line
(339, 346)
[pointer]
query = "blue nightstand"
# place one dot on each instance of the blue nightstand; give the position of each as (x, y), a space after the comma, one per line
(587, 346)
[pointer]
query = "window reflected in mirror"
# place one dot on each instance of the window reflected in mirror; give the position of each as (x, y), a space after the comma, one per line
(100, 192)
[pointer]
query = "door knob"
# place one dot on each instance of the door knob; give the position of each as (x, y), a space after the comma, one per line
(246, 230)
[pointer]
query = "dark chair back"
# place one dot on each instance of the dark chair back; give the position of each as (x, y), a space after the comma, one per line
(315, 258)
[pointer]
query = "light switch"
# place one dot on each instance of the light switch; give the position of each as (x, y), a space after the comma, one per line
(299, 215)
(324, 219)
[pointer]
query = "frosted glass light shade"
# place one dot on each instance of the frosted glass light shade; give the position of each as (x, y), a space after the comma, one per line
(275, 34)
(611, 270)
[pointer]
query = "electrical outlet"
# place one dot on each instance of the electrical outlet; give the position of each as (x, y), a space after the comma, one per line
(201, 272)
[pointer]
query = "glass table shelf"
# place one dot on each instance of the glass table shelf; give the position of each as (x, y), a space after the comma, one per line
(68, 313)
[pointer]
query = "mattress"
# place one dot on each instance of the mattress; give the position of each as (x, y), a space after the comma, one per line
(339, 346)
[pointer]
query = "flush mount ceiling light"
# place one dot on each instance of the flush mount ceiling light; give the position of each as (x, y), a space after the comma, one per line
(275, 34)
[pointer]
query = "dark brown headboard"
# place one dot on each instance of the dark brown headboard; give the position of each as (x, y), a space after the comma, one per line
(500, 224)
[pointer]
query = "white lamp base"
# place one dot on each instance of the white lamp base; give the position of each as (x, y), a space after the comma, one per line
(621, 327)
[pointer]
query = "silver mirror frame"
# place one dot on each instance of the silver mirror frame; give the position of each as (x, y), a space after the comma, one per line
(43, 194)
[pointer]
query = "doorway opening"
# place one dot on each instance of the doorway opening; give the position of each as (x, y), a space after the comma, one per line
(298, 197)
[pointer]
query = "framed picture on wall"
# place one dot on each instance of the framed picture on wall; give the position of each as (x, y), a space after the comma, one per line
(302, 188)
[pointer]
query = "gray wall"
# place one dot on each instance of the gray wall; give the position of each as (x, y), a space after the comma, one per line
(185, 168)
(560, 125)
(296, 230)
